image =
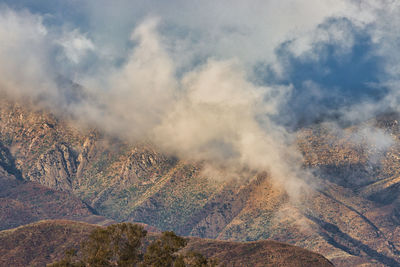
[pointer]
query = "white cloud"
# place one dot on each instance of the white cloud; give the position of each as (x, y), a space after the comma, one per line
(76, 45)
(24, 50)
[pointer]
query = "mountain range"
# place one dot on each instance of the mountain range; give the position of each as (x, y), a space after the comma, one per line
(50, 168)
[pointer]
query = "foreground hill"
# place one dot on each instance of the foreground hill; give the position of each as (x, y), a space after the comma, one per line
(44, 242)
(349, 214)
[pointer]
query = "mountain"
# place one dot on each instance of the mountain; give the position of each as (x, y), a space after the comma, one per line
(44, 242)
(349, 213)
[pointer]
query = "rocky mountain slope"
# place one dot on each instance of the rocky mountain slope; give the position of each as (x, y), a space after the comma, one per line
(349, 213)
(45, 242)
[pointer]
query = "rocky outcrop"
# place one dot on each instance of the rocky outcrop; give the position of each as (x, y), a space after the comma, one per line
(142, 166)
(56, 168)
(7, 162)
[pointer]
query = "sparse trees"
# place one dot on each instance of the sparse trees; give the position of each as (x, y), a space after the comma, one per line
(116, 245)
(162, 252)
(121, 245)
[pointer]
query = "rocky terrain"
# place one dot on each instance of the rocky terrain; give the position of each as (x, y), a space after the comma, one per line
(349, 214)
(45, 242)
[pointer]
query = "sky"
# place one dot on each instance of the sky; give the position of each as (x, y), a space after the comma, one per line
(227, 82)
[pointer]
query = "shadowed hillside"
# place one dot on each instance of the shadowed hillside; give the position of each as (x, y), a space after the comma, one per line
(23, 202)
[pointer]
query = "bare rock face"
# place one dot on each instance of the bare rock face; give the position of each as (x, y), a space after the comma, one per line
(7, 163)
(6, 158)
(86, 153)
(141, 166)
(55, 168)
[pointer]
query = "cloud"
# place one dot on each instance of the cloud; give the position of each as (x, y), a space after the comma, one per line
(25, 66)
(211, 114)
(249, 31)
(337, 68)
(141, 91)
(76, 45)
(31, 63)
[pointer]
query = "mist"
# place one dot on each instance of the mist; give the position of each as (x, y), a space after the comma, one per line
(228, 89)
